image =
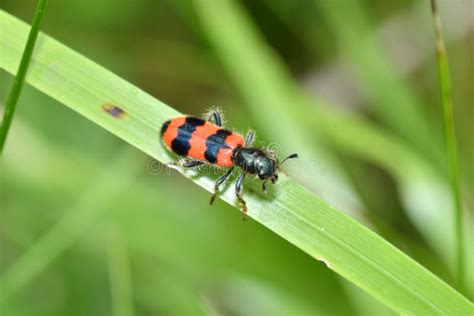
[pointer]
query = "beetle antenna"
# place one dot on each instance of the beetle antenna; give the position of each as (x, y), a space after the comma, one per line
(292, 156)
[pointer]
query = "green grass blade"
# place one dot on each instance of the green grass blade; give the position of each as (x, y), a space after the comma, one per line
(291, 211)
(15, 91)
(450, 143)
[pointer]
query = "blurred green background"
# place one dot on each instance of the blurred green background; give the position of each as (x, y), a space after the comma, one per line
(87, 229)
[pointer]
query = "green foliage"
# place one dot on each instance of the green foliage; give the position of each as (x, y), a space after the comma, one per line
(90, 225)
(291, 211)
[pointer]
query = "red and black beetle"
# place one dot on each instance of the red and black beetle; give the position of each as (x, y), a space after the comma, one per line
(203, 142)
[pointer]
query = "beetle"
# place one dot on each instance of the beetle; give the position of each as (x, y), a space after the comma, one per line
(207, 142)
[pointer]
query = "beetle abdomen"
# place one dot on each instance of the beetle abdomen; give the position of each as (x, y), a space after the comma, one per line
(197, 139)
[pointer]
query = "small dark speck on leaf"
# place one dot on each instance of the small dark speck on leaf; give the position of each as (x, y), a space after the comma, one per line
(114, 110)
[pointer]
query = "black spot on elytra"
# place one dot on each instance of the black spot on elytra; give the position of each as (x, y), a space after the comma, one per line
(195, 121)
(214, 143)
(164, 127)
(180, 144)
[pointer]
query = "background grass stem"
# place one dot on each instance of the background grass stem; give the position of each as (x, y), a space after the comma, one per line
(450, 144)
(19, 80)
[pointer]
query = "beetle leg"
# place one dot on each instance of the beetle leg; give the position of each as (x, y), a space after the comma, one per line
(264, 186)
(191, 164)
(215, 116)
(249, 138)
(238, 193)
(184, 163)
(218, 183)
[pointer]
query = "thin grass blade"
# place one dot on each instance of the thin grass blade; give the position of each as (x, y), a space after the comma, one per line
(450, 143)
(19, 80)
